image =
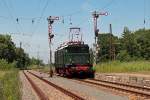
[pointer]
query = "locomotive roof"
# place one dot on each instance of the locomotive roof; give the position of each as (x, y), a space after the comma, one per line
(72, 45)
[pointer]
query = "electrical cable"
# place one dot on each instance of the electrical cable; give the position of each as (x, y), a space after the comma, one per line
(11, 15)
(108, 4)
(17, 19)
(104, 7)
(67, 15)
(42, 13)
(4, 17)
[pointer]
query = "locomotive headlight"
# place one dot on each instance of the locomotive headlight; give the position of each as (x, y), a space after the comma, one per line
(66, 51)
(73, 68)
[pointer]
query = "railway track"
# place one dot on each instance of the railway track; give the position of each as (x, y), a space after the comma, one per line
(123, 84)
(66, 92)
(136, 90)
(38, 91)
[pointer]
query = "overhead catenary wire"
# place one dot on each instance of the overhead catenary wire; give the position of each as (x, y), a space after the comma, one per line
(14, 19)
(104, 7)
(17, 19)
(5, 17)
(108, 4)
(64, 15)
(11, 15)
(44, 17)
(36, 20)
(33, 20)
(85, 20)
(41, 16)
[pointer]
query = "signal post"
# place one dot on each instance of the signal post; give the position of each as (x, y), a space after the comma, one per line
(51, 20)
(96, 31)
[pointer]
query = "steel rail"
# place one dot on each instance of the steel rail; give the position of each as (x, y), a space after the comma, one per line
(72, 95)
(38, 91)
(114, 86)
(123, 84)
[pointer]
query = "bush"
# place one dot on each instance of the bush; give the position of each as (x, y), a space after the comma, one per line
(4, 65)
(123, 56)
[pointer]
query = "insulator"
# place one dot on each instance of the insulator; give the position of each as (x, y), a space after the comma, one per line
(51, 36)
(51, 21)
(63, 20)
(32, 21)
(17, 20)
(70, 21)
(96, 32)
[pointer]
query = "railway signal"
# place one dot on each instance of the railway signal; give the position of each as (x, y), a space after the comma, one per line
(51, 20)
(96, 31)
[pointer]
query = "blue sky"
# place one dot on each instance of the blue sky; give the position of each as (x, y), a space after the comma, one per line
(122, 13)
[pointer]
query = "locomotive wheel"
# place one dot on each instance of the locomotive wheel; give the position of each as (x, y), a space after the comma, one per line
(91, 75)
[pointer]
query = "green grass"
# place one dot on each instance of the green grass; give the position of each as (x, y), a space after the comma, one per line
(4, 65)
(10, 85)
(123, 67)
(9, 82)
(44, 69)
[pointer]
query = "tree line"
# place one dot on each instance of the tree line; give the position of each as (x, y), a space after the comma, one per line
(130, 46)
(11, 53)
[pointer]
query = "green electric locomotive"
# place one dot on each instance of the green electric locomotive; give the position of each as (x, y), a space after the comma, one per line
(73, 59)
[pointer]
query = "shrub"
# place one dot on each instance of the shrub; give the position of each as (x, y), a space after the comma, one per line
(123, 56)
(4, 65)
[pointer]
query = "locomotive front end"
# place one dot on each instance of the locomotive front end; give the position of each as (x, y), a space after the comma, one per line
(75, 61)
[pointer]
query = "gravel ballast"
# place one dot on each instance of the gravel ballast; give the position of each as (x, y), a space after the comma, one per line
(27, 92)
(49, 91)
(88, 92)
(133, 79)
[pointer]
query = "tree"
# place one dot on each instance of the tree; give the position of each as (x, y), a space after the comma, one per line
(142, 38)
(35, 61)
(128, 42)
(104, 44)
(123, 56)
(136, 44)
(131, 46)
(10, 52)
(7, 48)
(22, 58)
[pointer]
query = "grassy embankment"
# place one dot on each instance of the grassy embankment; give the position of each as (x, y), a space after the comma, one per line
(124, 67)
(9, 82)
(113, 67)
(44, 69)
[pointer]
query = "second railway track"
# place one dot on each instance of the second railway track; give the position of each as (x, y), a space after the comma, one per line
(66, 92)
(136, 90)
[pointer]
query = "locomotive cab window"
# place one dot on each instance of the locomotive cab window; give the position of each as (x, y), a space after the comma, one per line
(78, 49)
